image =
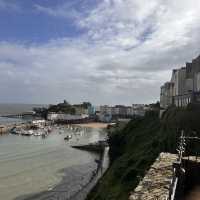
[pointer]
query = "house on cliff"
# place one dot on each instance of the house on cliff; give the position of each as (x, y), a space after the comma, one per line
(184, 86)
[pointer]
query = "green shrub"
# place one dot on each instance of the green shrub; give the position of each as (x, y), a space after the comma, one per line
(134, 149)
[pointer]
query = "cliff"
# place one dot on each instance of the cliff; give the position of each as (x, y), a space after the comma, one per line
(134, 149)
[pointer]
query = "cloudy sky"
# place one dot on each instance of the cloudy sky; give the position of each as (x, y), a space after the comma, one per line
(103, 51)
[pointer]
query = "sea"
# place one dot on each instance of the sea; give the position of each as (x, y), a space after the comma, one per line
(7, 109)
(36, 168)
(12, 109)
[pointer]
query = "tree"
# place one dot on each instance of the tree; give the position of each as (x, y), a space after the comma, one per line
(41, 112)
(66, 102)
(86, 105)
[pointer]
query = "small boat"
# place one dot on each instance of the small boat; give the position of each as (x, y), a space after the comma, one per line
(97, 161)
(15, 131)
(38, 133)
(31, 132)
(25, 133)
(68, 137)
(49, 130)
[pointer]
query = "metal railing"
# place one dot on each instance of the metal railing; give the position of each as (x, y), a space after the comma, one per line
(178, 168)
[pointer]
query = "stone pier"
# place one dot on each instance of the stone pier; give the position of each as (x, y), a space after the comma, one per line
(6, 128)
(156, 183)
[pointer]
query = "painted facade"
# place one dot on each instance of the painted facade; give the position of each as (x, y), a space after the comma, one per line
(184, 86)
(123, 111)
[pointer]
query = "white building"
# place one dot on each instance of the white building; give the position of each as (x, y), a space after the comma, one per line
(123, 111)
(178, 79)
(129, 111)
(39, 122)
(166, 95)
(184, 86)
(65, 117)
(106, 109)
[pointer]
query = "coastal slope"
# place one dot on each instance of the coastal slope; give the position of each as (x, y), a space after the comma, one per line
(134, 148)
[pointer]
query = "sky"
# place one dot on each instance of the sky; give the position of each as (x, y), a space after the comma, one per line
(102, 51)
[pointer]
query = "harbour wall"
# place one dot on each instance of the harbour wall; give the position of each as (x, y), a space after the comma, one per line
(6, 128)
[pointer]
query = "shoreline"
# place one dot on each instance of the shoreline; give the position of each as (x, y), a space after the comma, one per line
(60, 191)
(5, 128)
(86, 177)
(93, 125)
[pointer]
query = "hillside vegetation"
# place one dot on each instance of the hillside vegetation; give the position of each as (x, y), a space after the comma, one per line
(134, 148)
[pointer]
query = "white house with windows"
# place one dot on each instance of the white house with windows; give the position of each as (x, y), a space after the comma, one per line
(184, 86)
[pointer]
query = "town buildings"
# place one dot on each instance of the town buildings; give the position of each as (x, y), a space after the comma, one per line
(64, 112)
(65, 117)
(107, 113)
(184, 86)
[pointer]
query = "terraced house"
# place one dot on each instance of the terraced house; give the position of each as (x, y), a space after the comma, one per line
(184, 86)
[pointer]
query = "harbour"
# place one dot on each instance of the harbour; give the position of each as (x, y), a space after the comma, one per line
(48, 168)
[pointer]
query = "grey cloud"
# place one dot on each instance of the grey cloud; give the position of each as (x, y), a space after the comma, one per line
(97, 66)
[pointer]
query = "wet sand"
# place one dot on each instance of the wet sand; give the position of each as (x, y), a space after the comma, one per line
(194, 194)
(94, 125)
(66, 190)
(35, 168)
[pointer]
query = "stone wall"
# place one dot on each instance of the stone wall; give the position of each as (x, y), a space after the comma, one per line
(156, 183)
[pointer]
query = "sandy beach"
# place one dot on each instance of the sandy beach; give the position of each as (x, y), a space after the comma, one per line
(94, 125)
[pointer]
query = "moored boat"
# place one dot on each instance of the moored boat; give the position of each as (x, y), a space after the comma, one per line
(26, 133)
(68, 137)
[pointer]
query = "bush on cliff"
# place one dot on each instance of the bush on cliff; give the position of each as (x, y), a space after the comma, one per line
(134, 148)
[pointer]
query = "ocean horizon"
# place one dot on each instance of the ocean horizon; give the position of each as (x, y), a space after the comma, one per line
(15, 108)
